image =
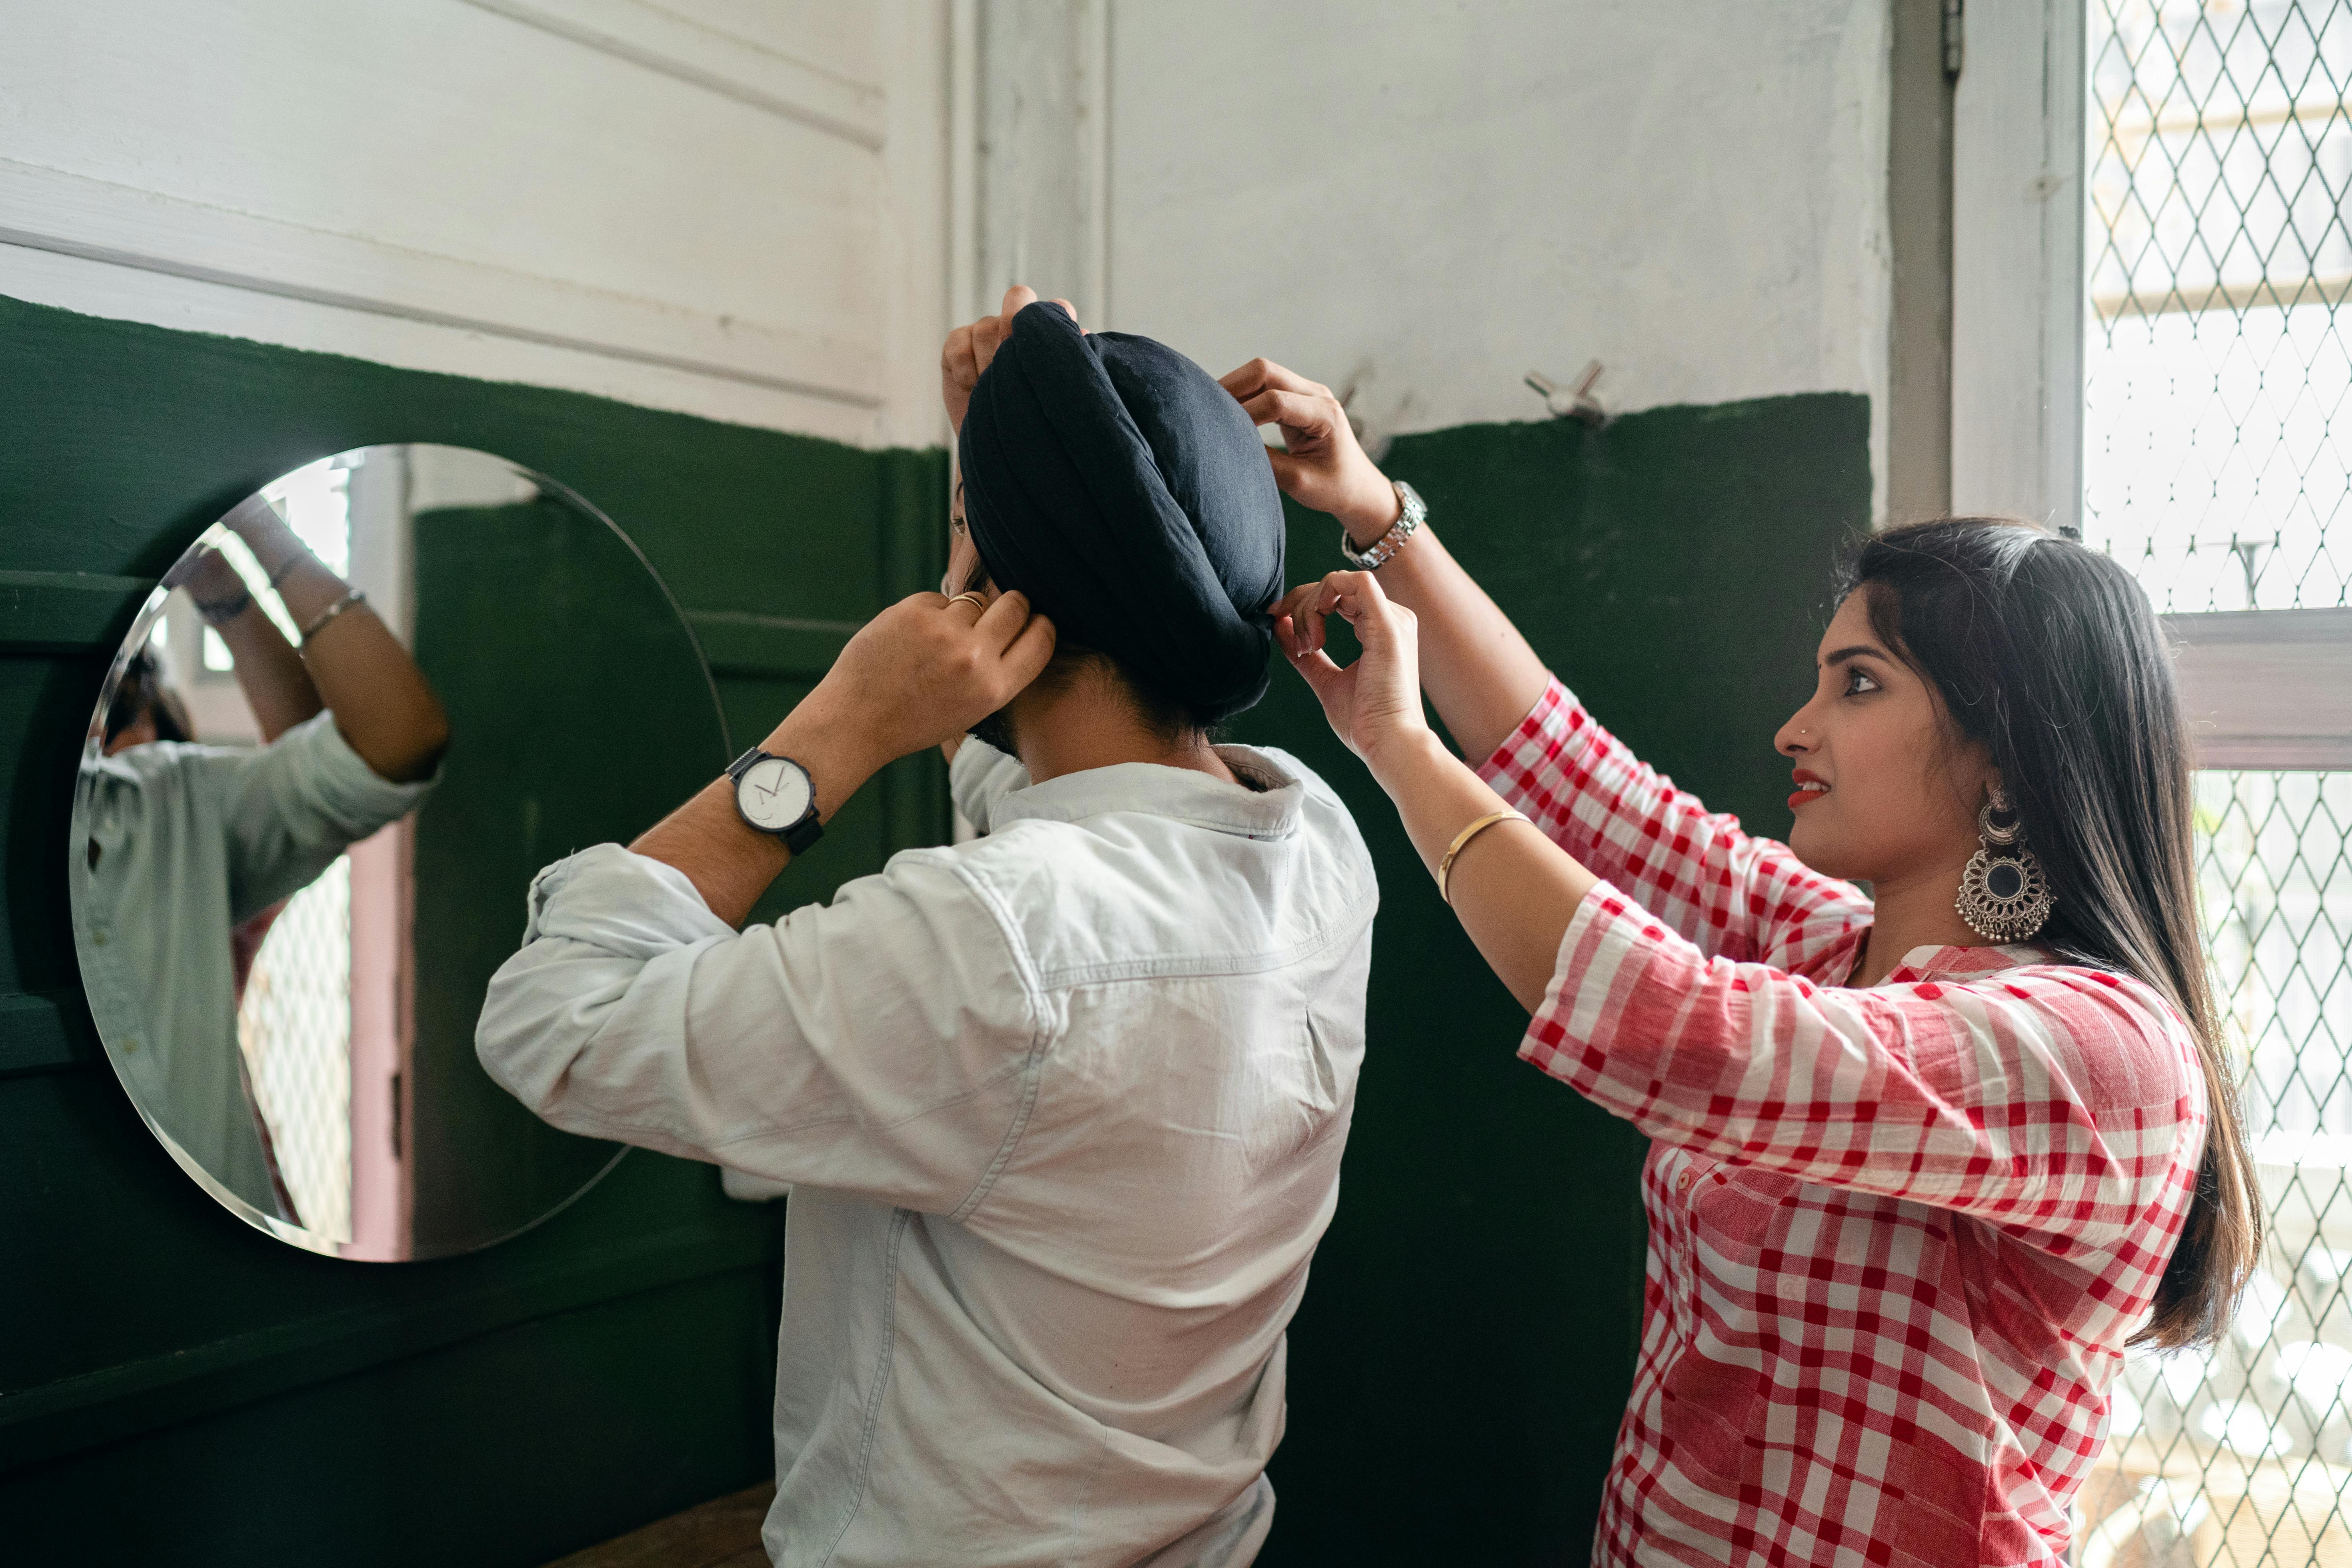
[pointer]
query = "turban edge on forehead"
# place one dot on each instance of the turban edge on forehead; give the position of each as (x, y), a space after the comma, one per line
(1114, 482)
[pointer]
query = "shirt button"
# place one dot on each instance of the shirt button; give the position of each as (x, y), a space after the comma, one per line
(1683, 1183)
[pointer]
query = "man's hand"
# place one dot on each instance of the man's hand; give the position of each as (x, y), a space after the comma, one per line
(970, 349)
(1321, 466)
(207, 576)
(925, 671)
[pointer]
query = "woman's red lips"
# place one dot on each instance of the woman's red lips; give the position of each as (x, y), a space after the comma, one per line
(1804, 794)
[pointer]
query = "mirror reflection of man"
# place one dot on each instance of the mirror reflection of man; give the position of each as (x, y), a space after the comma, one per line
(1063, 1107)
(192, 846)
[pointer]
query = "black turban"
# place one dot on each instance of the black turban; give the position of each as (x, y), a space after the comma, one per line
(1117, 485)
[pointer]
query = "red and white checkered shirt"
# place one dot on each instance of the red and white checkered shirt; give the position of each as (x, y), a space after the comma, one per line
(1897, 1235)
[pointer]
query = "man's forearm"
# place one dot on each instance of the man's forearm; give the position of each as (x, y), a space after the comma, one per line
(731, 863)
(269, 672)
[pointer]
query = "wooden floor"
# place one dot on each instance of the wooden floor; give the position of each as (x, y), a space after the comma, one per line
(721, 1534)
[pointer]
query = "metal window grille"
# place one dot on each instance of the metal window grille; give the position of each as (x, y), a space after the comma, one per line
(294, 1025)
(2218, 465)
(294, 1020)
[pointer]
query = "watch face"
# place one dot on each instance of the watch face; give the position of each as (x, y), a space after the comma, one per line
(772, 793)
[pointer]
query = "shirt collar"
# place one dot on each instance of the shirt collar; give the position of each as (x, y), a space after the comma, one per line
(1179, 793)
(1931, 962)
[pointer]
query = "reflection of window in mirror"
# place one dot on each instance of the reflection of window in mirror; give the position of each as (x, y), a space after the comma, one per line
(323, 997)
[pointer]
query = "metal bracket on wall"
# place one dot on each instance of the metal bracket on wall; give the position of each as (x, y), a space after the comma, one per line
(1574, 402)
(1954, 40)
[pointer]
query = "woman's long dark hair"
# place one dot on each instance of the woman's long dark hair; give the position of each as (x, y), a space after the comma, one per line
(2049, 655)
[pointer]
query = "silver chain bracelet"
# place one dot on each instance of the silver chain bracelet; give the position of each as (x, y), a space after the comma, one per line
(1412, 511)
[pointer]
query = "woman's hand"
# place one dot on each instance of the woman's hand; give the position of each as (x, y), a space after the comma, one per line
(970, 349)
(1322, 466)
(1374, 704)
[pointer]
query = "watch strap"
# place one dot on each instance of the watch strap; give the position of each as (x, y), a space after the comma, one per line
(1412, 511)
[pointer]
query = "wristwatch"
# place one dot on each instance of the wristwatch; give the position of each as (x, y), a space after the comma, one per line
(1411, 513)
(776, 796)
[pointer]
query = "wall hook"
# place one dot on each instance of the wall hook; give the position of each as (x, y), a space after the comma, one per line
(1576, 402)
(1374, 442)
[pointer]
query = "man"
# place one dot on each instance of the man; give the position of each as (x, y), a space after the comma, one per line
(1063, 1107)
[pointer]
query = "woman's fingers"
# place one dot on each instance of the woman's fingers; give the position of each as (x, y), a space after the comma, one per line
(1306, 623)
(1322, 677)
(1259, 374)
(1300, 411)
(1019, 298)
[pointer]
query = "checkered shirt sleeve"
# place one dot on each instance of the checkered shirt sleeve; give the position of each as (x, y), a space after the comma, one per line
(1898, 1236)
(1735, 896)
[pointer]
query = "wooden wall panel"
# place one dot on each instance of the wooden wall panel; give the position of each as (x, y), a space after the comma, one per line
(608, 1367)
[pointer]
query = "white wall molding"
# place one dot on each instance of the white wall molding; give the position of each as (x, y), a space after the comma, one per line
(645, 35)
(70, 214)
(1040, 115)
(2017, 262)
(2267, 689)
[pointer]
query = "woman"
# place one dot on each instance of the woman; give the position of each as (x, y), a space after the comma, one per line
(1923, 1162)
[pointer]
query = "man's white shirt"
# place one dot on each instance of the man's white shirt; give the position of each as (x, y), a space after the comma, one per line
(1063, 1108)
(185, 843)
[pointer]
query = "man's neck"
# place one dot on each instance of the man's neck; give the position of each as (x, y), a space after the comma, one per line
(1089, 726)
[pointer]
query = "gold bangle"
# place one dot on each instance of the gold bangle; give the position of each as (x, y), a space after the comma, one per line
(1445, 865)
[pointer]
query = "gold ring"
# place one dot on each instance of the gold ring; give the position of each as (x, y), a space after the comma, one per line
(978, 603)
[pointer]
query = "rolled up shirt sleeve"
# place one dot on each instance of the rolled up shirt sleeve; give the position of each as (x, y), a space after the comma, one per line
(1736, 895)
(883, 1045)
(2056, 1099)
(293, 805)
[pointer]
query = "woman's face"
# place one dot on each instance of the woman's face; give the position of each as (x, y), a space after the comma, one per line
(1884, 790)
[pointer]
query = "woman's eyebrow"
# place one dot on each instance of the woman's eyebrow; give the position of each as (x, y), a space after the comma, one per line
(1859, 650)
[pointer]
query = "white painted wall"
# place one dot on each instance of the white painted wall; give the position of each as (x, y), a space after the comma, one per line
(762, 210)
(1428, 200)
(733, 207)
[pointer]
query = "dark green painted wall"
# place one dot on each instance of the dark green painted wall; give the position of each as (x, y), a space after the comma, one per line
(1459, 1366)
(1461, 1361)
(181, 1389)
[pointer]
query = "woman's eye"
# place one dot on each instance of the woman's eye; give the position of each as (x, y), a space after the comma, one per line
(1858, 681)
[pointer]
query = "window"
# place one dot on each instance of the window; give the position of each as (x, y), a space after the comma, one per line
(2216, 461)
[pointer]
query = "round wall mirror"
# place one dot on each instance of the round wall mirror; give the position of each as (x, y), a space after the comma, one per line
(355, 719)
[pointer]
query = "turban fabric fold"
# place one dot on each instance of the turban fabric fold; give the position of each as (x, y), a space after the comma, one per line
(1114, 482)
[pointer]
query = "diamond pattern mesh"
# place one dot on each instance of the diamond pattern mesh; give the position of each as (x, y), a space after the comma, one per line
(2218, 465)
(294, 1025)
(2242, 1454)
(2215, 378)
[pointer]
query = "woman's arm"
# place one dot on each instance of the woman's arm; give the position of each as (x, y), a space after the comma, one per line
(1479, 671)
(1734, 895)
(1514, 889)
(381, 700)
(2059, 1100)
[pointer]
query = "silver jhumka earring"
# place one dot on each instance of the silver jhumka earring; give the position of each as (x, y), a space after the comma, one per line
(2004, 895)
